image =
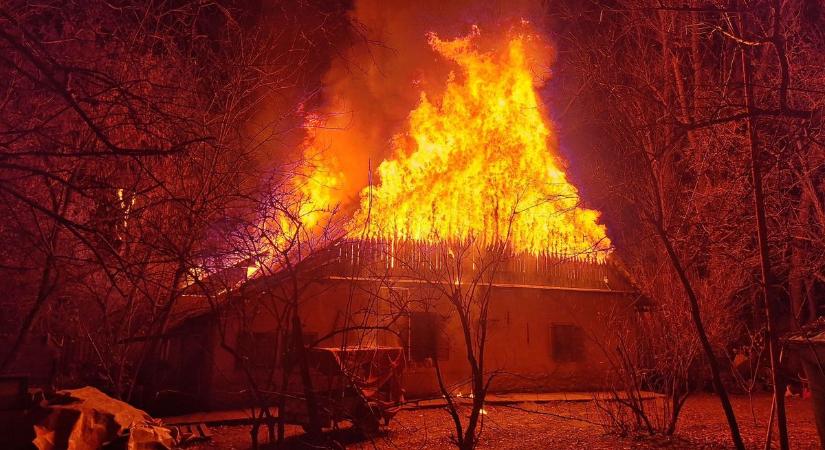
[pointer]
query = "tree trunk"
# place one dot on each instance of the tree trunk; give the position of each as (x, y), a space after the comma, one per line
(703, 339)
(306, 379)
(764, 256)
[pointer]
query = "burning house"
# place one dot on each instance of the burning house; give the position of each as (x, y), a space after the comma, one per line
(301, 214)
(548, 321)
(473, 237)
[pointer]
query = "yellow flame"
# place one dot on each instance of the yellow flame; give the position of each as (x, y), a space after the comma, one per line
(317, 195)
(480, 164)
(311, 199)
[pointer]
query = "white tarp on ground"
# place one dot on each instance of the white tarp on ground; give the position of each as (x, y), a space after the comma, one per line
(87, 419)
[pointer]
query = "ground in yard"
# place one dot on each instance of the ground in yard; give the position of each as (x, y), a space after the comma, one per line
(560, 425)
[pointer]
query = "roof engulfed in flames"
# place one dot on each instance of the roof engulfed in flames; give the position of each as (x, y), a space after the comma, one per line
(480, 163)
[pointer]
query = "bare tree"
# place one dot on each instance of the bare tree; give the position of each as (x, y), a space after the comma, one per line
(659, 351)
(679, 120)
(127, 150)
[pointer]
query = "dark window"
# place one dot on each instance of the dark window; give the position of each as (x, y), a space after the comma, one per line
(258, 349)
(567, 343)
(426, 339)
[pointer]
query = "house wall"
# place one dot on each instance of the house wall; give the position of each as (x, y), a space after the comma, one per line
(323, 307)
(520, 346)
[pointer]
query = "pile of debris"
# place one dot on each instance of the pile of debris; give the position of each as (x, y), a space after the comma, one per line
(77, 419)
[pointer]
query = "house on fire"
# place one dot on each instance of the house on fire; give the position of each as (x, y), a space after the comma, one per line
(549, 322)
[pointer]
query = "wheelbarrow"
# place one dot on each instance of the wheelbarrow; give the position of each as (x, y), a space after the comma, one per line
(363, 385)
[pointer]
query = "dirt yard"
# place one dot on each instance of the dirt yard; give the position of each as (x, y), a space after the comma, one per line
(560, 426)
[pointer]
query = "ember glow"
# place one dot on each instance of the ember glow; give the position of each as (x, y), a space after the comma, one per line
(477, 163)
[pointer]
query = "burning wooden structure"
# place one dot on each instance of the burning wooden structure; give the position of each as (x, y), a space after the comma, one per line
(412, 260)
(548, 321)
(474, 195)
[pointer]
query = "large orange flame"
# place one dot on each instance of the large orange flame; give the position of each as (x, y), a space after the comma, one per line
(479, 164)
